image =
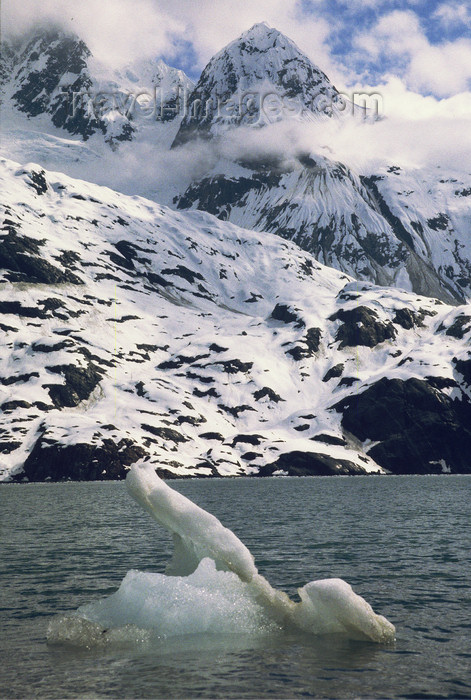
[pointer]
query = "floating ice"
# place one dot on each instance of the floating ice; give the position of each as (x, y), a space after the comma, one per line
(196, 533)
(207, 601)
(211, 586)
(75, 631)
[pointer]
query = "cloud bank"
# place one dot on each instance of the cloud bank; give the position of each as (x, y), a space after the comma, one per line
(121, 31)
(399, 41)
(116, 31)
(349, 39)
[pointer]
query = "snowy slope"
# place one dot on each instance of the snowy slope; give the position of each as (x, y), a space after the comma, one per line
(433, 208)
(401, 228)
(131, 330)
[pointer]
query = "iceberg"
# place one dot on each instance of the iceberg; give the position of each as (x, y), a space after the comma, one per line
(196, 533)
(211, 586)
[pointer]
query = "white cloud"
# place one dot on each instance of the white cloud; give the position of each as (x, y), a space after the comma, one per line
(402, 103)
(442, 69)
(414, 144)
(210, 26)
(453, 14)
(116, 31)
(417, 132)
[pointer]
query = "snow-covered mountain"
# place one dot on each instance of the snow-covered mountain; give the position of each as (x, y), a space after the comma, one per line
(406, 228)
(394, 226)
(53, 79)
(260, 78)
(397, 227)
(199, 338)
(133, 330)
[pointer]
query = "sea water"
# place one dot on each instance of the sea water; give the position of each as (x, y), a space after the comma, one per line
(403, 543)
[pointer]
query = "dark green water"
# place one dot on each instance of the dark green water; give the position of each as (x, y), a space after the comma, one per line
(403, 543)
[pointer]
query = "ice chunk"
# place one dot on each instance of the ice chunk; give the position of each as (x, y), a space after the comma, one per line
(196, 533)
(331, 607)
(327, 607)
(211, 586)
(76, 631)
(207, 601)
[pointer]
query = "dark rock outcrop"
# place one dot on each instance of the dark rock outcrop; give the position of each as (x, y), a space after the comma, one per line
(211, 436)
(266, 392)
(408, 319)
(329, 439)
(79, 383)
(234, 366)
(286, 314)
(165, 433)
(420, 429)
(81, 462)
(460, 326)
(362, 326)
(334, 372)
(307, 346)
(299, 463)
(21, 257)
(464, 368)
(247, 439)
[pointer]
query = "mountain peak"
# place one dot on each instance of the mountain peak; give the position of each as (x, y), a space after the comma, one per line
(261, 25)
(261, 63)
(52, 74)
(259, 28)
(261, 37)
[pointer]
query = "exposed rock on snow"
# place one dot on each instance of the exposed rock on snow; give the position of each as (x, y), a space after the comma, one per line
(415, 425)
(81, 462)
(361, 326)
(157, 352)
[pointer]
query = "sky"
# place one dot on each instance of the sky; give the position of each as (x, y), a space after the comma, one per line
(415, 53)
